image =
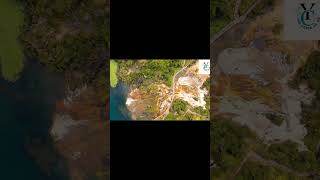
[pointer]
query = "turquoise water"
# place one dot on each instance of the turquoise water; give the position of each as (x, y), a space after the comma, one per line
(118, 109)
(26, 110)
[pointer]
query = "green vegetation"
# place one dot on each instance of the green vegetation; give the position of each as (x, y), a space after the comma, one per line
(287, 154)
(311, 120)
(275, 118)
(69, 36)
(261, 8)
(11, 54)
(179, 106)
(147, 75)
(170, 116)
(179, 111)
(145, 72)
(206, 85)
(113, 73)
(229, 145)
(310, 74)
(194, 113)
(230, 142)
(245, 5)
(254, 170)
(221, 13)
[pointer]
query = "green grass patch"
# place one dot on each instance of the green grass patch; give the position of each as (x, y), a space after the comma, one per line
(275, 119)
(11, 55)
(229, 145)
(255, 170)
(143, 73)
(113, 73)
(221, 13)
(218, 25)
(245, 5)
(288, 154)
(310, 73)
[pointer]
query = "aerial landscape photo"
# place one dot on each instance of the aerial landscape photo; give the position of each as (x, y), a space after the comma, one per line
(265, 122)
(159, 89)
(53, 89)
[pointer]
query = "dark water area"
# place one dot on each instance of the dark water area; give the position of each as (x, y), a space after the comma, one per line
(26, 113)
(118, 108)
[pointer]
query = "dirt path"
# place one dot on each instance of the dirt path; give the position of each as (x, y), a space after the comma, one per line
(241, 165)
(234, 22)
(166, 112)
(256, 157)
(253, 156)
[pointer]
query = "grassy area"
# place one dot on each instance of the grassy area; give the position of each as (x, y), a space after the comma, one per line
(229, 145)
(113, 73)
(288, 154)
(11, 55)
(275, 119)
(146, 72)
(68, 36)
(310, 74)
(245, 5)
(255, 170)
(261, 8)
(218, 25)
(221, 13)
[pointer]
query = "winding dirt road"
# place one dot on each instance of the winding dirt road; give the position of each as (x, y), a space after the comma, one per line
(166, 112)
(266, 162)
(238, 19)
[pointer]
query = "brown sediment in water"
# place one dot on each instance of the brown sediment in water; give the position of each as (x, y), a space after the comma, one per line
(86, 146)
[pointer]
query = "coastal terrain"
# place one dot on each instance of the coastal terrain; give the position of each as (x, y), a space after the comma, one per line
(163, 89)
(54, 65)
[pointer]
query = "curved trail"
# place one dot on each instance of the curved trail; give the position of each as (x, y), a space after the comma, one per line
(166, 112)
(234, 22)
(256, 157)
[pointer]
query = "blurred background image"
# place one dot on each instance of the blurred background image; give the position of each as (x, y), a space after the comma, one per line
(265, 97)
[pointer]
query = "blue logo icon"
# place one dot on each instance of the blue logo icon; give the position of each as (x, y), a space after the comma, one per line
(206, 66)
(308, 16)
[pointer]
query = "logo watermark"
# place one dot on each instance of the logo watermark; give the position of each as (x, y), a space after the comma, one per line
(308, 16)
(204, 66)
(302, 20)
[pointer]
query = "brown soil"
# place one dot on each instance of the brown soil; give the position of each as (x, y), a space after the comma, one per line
(86, 147)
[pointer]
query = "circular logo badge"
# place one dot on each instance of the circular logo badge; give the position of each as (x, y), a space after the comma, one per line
(308, 16)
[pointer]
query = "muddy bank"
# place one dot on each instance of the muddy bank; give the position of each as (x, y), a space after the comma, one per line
(81, 134)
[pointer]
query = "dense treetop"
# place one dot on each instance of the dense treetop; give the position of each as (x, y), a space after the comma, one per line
(144, 72)
(68, 36)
